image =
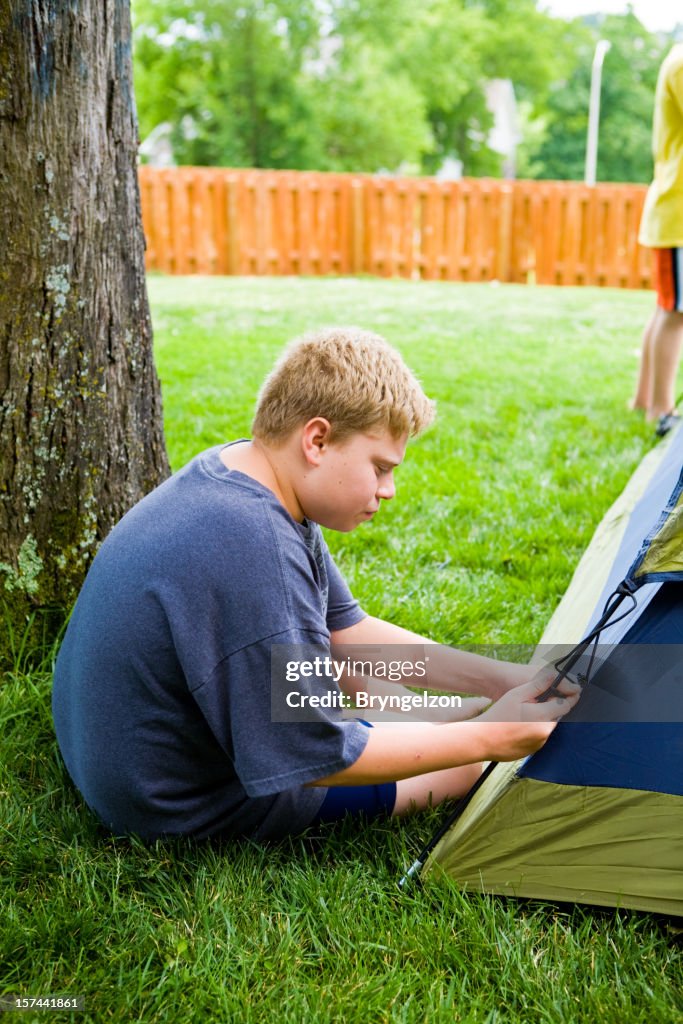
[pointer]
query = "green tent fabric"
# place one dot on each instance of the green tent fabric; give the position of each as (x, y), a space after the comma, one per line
(609, 847)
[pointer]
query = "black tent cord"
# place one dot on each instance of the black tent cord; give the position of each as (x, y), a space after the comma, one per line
(563, 666)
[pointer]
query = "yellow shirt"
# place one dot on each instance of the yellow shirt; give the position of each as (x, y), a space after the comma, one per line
(661, 225)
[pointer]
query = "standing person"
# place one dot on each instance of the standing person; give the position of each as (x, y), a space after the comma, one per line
(661, 229)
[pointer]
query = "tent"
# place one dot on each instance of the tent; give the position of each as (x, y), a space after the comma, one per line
(596, 816)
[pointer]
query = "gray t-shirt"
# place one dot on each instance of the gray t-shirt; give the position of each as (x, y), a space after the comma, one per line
(162, 688)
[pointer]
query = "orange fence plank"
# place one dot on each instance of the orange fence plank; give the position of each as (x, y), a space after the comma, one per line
(503, 270)
(523, 258)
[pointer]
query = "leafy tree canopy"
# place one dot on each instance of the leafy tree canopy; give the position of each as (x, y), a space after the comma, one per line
(371, 85)
(629, 78)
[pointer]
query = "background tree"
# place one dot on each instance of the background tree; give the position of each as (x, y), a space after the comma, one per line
(370, 113)
(367, 116)
(627, 97)
(435, 50)
(227, 77)
(373, 85)
(80, 411)
(337, 84)
(455, 49)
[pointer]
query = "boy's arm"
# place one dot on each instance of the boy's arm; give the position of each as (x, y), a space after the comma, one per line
(401, 751)
(514, 727)
(447, 668)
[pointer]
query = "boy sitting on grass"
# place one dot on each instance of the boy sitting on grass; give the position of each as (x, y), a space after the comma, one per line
(162, 689)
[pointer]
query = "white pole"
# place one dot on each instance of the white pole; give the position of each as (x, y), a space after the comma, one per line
(594, 112)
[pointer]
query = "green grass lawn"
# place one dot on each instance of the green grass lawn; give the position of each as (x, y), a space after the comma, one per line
(494, 507)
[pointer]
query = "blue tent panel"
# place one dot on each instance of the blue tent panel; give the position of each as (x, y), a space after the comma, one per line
(625, 755)
(621, 756)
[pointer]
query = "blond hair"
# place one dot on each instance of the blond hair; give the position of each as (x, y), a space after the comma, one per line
(351, 377)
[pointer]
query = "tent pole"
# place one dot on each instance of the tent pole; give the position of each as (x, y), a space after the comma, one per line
(455, 814)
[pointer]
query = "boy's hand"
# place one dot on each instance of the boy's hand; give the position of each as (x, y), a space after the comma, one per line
(519, 725)
(521, 705)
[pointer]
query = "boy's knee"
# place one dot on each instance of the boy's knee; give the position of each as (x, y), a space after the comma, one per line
(422, 791)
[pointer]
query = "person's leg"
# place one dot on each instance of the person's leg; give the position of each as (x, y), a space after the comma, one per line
(656, 389)
(398, 798)
(371, 801)
(429, 790)
(643, 396)
(667, 338)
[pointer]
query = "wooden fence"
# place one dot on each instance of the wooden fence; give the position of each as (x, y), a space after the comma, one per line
(201, 220)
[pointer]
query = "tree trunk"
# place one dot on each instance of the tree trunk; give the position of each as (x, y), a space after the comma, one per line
(81, 435)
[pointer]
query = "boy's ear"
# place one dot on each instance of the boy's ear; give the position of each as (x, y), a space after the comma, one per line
(314, 438)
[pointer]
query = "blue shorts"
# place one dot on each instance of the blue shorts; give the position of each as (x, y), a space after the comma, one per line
(373, 801)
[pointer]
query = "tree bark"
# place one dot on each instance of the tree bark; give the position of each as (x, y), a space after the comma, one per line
(81, 436)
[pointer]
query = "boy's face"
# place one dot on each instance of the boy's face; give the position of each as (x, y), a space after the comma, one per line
(351, 478)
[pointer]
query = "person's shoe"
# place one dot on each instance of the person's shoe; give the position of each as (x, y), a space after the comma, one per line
(666, 423)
